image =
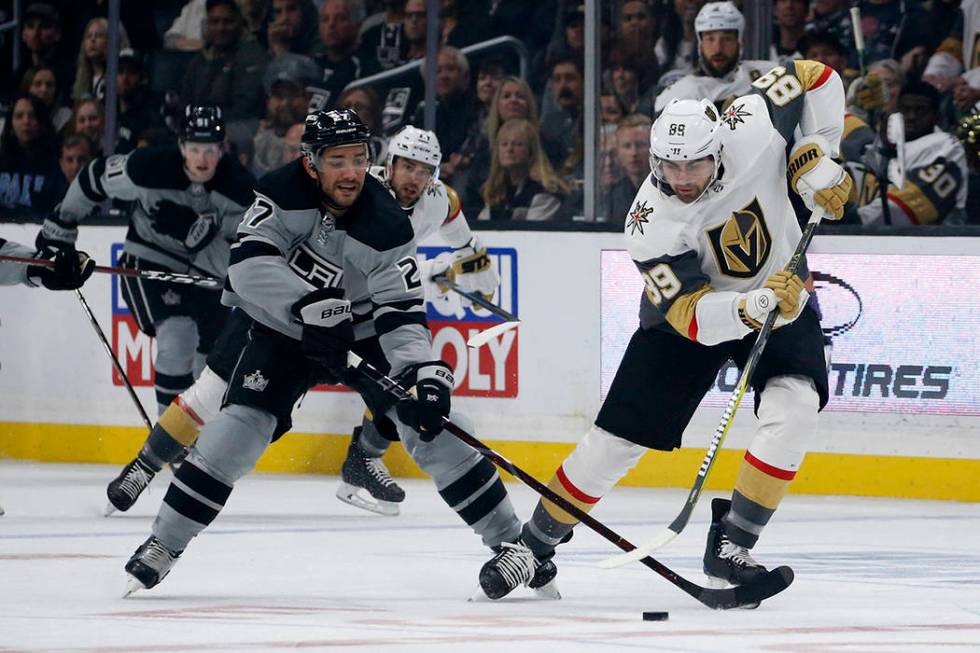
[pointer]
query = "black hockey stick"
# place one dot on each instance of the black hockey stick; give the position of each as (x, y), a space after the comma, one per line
(510, 321)
(115, 361)
(150, 275)
(676, 526)
(772, 582)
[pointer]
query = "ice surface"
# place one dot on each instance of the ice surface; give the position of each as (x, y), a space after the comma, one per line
(287, 566)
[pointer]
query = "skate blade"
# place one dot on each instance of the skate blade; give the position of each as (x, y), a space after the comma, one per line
(352, 495)
(548, 591)
(479, 596)
(109, 509)
(132, 586)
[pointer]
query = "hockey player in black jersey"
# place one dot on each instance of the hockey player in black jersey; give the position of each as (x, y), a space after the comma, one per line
(188, 202)
(324, 263)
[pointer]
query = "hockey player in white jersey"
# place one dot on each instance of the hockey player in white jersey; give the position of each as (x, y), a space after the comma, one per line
(325, 264)
(711, 232)
(411, 172)
(188, 200)
(70, 270)
(721, 74)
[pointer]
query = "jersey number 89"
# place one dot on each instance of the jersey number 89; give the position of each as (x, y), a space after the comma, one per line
(780, 88)
(661, 283)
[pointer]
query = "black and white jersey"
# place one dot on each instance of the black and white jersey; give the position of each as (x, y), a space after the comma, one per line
(154, 179)
(12, 273)
(289, 245)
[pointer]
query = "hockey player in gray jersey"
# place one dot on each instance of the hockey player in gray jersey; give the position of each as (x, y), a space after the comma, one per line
(325, 264)
(188, 203)
(411, 173)
(70, 270)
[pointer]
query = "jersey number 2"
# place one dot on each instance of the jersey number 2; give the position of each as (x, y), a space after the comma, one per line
(410, 273)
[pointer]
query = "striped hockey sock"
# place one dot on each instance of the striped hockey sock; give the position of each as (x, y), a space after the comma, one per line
(758, 490)
(549, 526)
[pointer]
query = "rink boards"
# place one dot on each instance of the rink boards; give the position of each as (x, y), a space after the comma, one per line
(903, 420)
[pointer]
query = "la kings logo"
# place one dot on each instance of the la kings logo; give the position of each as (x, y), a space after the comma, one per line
(255, 381)
(315, 270)
(742, 244)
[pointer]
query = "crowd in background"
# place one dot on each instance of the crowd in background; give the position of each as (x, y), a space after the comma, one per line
(512, 147)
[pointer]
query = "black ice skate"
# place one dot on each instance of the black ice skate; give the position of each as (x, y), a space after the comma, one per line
(514, 565)
(127, 487)
(724, 561)
(367, 484)
(149, 565)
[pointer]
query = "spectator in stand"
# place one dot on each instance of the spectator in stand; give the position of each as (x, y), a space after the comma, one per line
(29, 175)
(564, 124)
(42, 83)
(790, 28)
(834, 16)
(383, 44)
(676, 46)
(90, 70)
(413, 28)
(337, 56)
(878, 92)
(88, 120)
(610, 107)
(488, 79)
(633, 156)
(624, 79)
(364, 102)
(76, 151)
(43, 45)
(291, 145)
(825, 48)
(284, 107)
(609, 171)
(228, 71)
(456, 108)
(461, 27)
(522, 184)
(187, 31)
(293, 27)
(638, 28)
(256, 14)
(894, 29)
(139, 108)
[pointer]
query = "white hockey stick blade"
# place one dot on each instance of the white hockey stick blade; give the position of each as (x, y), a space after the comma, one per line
(482, 338)
(642, 551)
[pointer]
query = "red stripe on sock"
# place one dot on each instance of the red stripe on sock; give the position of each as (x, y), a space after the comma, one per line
(766, 468)
(189, 411)
(572, 490)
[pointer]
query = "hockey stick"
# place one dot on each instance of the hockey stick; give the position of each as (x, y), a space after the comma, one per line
(115, 361)
(150, 275)
(676, 526)
(511, 321)
(772, 582)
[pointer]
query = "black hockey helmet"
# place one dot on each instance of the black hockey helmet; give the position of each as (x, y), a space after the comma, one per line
(202, 124)
(331, 129)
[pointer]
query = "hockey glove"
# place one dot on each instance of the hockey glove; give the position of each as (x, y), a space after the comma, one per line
(184, 224)
(869, 92)
(432, 385)
(54, 235)
(791, 295)
(473, 271)
(817, 178)
(433, 269)
(328, 332)
(71, 269)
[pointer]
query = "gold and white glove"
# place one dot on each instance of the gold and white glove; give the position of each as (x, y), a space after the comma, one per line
(817, 178)
(783, 291)
(473, 270)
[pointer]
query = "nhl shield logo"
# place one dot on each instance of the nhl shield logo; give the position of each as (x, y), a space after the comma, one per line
(742, 244)
(255, 381)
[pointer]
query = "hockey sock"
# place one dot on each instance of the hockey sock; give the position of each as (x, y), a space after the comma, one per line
(480, 499)
(758, 490)
(161, 447)
(192, 502)
(369, 440)
(549, 526)
(169, 386)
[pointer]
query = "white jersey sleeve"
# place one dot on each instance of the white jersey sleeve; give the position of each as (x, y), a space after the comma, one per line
(12, 273)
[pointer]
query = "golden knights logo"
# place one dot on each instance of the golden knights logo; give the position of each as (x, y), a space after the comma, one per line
(638, 218)
(734, 115)
(742, 244)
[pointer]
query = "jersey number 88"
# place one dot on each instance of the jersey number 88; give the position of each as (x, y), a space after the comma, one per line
(780, 88)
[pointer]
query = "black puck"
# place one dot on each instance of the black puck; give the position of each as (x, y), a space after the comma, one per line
(655, 616)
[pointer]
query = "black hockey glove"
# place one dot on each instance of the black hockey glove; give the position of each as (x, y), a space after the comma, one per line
(432, 385)
(328, 333)
(184, 224)
(71, 269)
(54, 236)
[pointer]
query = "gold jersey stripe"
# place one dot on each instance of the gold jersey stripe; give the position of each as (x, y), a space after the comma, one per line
(756, 485)
(682, 312)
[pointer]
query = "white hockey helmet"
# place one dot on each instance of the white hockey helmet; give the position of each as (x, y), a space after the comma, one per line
(415, 144)
(717, 16)
(686, 130)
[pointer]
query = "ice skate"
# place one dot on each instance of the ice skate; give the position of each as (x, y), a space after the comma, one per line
(366, 483)
(149, 565)
(514, 565)
(726, 563)
(127, 487)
